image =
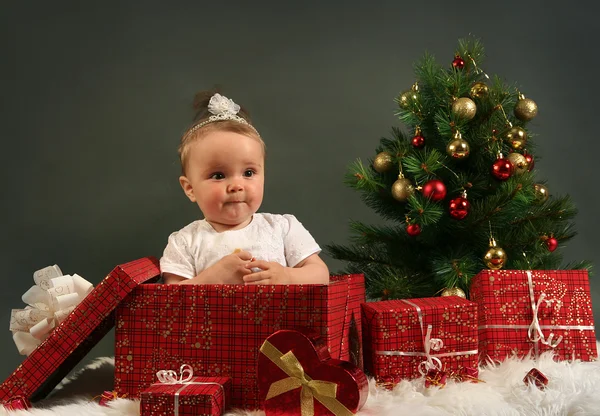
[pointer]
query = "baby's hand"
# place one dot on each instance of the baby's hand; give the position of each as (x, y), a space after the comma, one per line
(271, 273)
(231, 268)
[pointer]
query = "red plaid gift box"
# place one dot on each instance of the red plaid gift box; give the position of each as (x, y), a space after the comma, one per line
(536, 377)
(218, 329)
(522, 312)
(69, 342)
(16, 403)
(193, 396)
(405, 338)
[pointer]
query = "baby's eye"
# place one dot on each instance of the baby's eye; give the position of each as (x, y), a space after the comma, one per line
(249, 173)
(217, 175)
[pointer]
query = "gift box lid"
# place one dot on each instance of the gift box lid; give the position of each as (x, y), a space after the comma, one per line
(70, 341)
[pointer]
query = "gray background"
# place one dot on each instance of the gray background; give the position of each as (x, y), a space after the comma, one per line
(95, 96)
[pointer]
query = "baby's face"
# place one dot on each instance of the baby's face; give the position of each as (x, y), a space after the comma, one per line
(225, 177)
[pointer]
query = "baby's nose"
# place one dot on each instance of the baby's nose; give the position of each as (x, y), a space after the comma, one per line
(235, 187)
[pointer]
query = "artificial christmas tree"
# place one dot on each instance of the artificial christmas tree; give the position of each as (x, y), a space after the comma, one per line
(459, 188)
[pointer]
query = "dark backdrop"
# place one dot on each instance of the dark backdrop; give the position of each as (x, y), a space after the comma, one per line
(96, 95)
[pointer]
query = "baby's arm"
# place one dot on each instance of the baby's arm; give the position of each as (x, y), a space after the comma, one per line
(311, 270)
(229, 270)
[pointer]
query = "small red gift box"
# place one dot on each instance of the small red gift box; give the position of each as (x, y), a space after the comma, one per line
(193, 396)
(70, 341)
(16, 403)
(405, 338)
(536, 377)
(522, 312)
(218, 329)
(297, 376)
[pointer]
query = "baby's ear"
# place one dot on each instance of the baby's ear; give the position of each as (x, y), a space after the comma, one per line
(187, 188)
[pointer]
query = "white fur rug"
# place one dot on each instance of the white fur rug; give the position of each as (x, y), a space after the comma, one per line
(573, 389)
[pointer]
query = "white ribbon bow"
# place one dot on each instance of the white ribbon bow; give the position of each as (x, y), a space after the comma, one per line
(435, 344)
(431, 362)
(50, 301)
(170, 376)
(534, 332)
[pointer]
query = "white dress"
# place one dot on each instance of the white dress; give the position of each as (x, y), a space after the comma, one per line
(270, 237)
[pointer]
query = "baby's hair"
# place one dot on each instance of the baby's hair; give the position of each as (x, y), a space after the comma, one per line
(193, 133)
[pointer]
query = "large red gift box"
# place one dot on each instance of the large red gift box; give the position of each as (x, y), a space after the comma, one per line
(405, 338)
(218, 329)
(524, 311)
(197, 396)
(70, 341)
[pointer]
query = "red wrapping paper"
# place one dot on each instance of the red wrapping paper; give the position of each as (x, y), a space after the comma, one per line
(506, 314)
(193, 399)
(536, 377)
(218, 329)
(16, 403)
(297, 376)
(394, 342)
(69, 342)
(435, 378)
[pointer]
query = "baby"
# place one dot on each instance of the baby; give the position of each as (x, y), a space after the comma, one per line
(223, 167)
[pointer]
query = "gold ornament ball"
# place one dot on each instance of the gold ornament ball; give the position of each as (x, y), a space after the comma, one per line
(383, 162)
(541, 193)
(458, 149)
(519, 162)
(517, 137)
(495, 258)
(526, 109)
(479, 90)
(402, 189)
(407, 98)
(454, 291)
(464, 108)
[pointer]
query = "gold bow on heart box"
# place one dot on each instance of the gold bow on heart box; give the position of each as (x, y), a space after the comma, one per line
(323, 391)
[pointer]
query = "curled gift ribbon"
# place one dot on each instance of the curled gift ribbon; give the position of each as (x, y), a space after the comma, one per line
(435, 344)
(170, 376)
(50, 301)
(534, 332)
(431, 362)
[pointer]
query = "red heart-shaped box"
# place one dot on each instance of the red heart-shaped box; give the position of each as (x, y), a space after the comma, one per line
(329, 386)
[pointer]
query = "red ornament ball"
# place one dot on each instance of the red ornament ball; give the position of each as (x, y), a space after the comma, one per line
(434, 190)
(552, 244)
(418, 141)
(530, 162)
(413, 230)
(459, 208)
(502, 169)
(458, 62)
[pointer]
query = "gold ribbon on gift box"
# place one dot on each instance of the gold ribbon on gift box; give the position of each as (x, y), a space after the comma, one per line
(323, 391)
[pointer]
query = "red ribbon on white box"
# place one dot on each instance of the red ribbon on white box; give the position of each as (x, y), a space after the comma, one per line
(50, 301)
(534, 330)
(170, 377)
(432, 361)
